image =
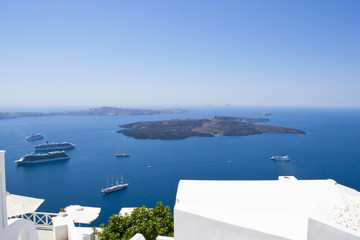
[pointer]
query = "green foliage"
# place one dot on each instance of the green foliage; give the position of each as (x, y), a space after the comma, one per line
(149, 222)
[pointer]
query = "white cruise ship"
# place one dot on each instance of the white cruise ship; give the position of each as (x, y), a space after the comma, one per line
(34, 137)
(46, 157)
(280, 158)
(53, 146)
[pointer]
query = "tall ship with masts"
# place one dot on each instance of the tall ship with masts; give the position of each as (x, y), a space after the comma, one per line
(114, 187)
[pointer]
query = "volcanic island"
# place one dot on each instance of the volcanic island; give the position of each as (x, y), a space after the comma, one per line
(204, 127)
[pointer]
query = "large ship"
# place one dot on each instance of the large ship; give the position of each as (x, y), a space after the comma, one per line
(34, 137)
(53, 146)
(280, 158)
(122, 155)
(46, 157)
(116, 187)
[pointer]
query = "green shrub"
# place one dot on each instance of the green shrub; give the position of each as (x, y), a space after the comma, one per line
(149, 222)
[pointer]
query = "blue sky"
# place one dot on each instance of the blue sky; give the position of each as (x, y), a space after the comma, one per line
(170, 52)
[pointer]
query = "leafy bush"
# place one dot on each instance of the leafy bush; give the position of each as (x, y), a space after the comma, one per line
(149, 222)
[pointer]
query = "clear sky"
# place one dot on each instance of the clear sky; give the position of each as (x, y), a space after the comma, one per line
(172, 52)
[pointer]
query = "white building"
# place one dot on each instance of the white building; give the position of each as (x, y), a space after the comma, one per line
(13, 228)
(283, 209)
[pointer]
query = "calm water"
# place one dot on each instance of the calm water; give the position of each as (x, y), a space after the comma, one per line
(330, 149)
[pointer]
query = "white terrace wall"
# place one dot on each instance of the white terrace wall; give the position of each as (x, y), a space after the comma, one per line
(189, 226)
(14, 229)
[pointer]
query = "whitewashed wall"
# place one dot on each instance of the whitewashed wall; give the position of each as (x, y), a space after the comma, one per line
(14, 229)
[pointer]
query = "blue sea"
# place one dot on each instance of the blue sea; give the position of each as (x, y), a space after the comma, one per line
(330, 149)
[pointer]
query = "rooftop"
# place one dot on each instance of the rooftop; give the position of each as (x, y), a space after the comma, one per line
(279, 208)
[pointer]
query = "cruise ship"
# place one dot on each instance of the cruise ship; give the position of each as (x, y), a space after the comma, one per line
(34, 137)
(46, 157)
(280, 158)
(118, 186)
(53, 146)
(122, 155)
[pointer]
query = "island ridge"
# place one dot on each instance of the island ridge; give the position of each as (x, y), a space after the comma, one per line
(203, 127)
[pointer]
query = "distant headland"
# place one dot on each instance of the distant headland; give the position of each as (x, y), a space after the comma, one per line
(203, 127)
(101, 111)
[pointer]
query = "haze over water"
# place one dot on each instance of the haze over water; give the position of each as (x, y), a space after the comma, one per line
(330, 149)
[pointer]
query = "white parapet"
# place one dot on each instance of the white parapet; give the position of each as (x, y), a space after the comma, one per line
(138, 236)
(126, 210)
(164, 238)
(60, 228)
(3, 219)
(286, 208)
(64, 229)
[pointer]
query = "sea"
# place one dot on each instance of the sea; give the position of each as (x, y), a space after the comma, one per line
(330, 149)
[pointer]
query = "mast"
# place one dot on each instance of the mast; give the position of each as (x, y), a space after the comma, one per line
(107, 183)
(112, 182)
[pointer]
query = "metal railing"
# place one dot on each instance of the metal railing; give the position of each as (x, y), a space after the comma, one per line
(42, 220)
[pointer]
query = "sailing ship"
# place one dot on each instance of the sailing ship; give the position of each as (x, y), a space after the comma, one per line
(114, 187)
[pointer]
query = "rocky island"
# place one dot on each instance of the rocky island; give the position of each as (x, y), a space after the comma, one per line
(204, 127)
(101, 111)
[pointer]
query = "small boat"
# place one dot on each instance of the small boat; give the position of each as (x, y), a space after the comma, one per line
(266, 114)
(115, 187)
(216, 135)
(122, 155)
(280, 158)
(46, 157)
(34, 137)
